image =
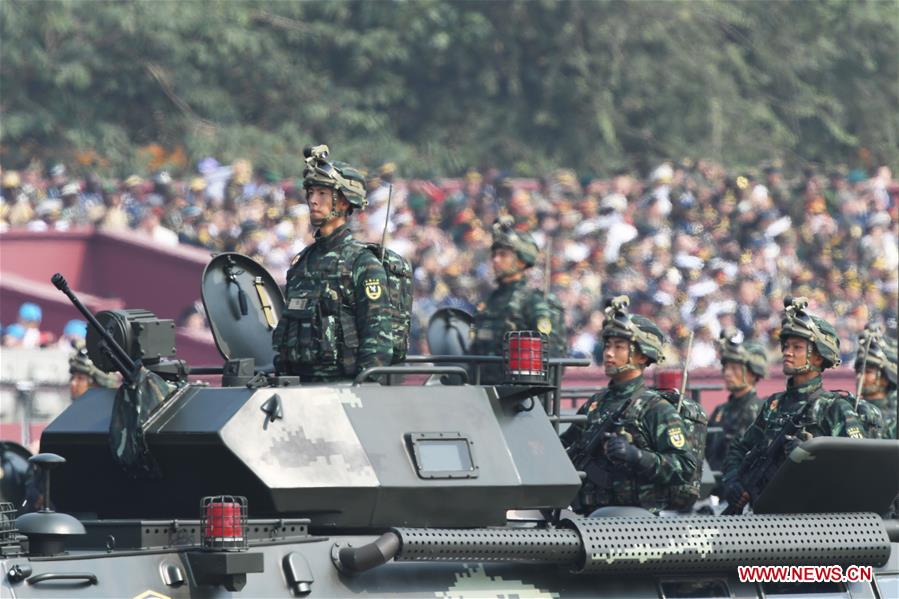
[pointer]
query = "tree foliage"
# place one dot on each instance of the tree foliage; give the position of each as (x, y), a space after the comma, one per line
(438, 86)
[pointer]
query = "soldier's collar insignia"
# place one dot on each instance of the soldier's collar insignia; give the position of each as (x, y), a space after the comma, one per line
(373, 289)
(676, 437)
(544, 325)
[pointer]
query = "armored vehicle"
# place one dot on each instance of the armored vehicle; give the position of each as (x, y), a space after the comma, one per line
(411, 480)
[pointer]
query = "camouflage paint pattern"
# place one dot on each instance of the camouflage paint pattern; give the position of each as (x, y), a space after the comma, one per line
(656, 428)
(733, 416)
(131, 408)
(831, 416)
(871, 418)
(516, 307)
(334, 326)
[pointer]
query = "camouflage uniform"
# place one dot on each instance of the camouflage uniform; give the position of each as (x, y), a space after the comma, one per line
(513, 306)
(733, 417)
(825, 413)
(739, 411)
(664, 466)
(313, 338)
(338, 318)
(657, 430)
(877, 415)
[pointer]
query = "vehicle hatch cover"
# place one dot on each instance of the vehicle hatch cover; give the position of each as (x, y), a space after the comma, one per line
(243, 305)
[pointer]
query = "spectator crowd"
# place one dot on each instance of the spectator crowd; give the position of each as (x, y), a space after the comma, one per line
(695, 245)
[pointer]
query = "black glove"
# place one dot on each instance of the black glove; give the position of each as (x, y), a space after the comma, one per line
(619, 450)
(735, 493)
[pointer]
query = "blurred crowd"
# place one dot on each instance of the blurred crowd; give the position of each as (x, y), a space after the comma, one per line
(695, 245)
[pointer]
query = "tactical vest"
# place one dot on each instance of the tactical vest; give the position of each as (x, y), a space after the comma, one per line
(682, 497)
(492, 324)
(624, 486)
(319, 333)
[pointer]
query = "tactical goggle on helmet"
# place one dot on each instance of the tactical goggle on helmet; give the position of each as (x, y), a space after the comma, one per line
(732, 348)
(641, 331)
(505, 235)
(879, 354)
(797, 322)
(339, 176)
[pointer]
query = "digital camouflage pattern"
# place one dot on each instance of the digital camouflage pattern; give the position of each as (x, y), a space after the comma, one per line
(520, 242)
(337, 321)
(733, 416)
(831, 415)
(887, 407)
(655, 427)
(871, 418)
(131, 408)
(516, 307)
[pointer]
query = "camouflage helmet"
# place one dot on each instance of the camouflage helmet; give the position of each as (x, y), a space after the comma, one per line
(339, 176)
(520, 242)
(80, 363)
(798, 322)
(732, 348)
(880, 353)
(641, 331)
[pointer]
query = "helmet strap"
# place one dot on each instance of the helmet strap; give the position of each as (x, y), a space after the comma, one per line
(335, 213)
(807, 367)
(629, 365)
(875, 389)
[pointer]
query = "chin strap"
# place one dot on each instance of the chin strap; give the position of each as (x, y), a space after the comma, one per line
(335, 213)
(629, 365)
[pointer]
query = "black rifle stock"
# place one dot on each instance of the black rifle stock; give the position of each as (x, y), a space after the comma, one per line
(123, 362)
(761, 463)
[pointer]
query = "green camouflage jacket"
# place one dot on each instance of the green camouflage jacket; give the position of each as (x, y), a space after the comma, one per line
(830, 416)
(314, 337)
(514, 307)
(887, 409)
(655, 427)
(871, 418)
(733, 417)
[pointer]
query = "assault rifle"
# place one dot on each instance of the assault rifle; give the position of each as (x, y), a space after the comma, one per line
(583, 456)
(761, 463)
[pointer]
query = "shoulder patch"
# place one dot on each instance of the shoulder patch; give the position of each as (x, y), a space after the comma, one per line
(855, 433)
(373, 289)
(544, 325)
(676, 437)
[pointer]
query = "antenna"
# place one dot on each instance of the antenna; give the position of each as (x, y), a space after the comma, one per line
(386, 220)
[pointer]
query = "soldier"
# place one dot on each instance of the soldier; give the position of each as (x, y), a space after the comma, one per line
(513, 306)
(337, 319)
(809, 345)
(83, 375)
(743, 364)
(634, 446)
(877, 404)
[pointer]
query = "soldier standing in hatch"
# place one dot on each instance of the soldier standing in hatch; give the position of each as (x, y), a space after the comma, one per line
(743, 364)
(645, 454)
(513, 306)
(337, 319)
(877, 404)
(809, 345)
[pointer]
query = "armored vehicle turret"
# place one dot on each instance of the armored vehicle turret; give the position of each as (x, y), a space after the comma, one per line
(411, 480)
